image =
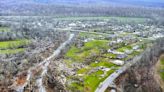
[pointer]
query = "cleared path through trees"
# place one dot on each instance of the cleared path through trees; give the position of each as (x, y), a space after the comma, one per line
(43, 66)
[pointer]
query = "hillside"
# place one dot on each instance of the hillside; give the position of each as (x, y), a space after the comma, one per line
(148, 3)
(80, 8)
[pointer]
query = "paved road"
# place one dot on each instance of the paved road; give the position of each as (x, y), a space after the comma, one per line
(110, 80)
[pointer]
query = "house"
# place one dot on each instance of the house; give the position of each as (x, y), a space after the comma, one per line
(128, 51)
(118, 62)
(112, 43)
(119, 40)
(111, 36)
(114, 52)
(136, 47)
(89, 39)
(72, 25)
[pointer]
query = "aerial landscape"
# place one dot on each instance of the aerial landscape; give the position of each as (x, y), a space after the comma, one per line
(81, 46)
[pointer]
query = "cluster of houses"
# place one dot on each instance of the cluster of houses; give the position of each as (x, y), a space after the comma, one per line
(120, 35)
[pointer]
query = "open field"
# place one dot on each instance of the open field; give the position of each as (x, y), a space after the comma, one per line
(12, 51)
(89, 49)
(12, 46)
(4, 29)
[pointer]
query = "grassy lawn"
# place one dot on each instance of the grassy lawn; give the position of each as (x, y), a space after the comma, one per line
(89, 49)
(84, 70)
(122, 49)
(110, 55)
(103, 63)
(79, 55)
(13, 47)
(12, 51)
(92, 65)
(4, 29)
(130, 47)
(92, 35)
(77, 86)
(101, 44)
(91, 81)
(13, 44)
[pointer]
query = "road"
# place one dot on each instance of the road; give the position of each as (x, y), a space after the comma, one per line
(47, 61)
(41, 66)
(110, 80)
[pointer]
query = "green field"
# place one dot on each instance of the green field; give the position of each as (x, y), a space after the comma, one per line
(89, 49)
(13, 44)
(4, 29)
(12, 51)
(92, 80)
(122, 49)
